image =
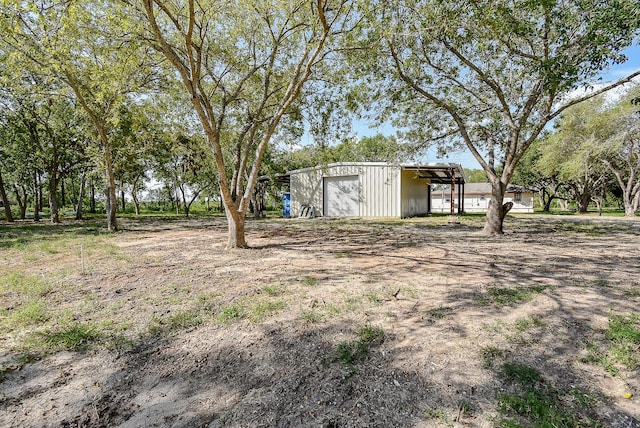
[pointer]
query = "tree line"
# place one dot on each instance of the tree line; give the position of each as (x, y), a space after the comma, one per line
(592, 153)
(198, 92)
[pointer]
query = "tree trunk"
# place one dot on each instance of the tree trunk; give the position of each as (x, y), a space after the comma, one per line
(583, 202)
(92, 202)
(598, 206)
(53, 201)
(136, 202)
(629, 211)
(178, 204)
(497, 211)
(107, 201)
(631, 198)
(134, 196)
(36, 198)
(62, 194)
(5, 201)
(236, 222)
(603, 190)
(21, 198)
(631, 205)
(40, 198)
(636, 202)
(80, 197)
(112, 201)
(185, 205)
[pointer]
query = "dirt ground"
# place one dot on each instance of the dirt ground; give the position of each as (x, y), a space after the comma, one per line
(262, 348)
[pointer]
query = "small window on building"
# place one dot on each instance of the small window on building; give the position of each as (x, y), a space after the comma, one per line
(517, 197)
(482, 197)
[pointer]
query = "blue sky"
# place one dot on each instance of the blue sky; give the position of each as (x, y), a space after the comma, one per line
(466, 158)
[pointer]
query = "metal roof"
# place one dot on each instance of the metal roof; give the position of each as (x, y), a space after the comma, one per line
(438, 173)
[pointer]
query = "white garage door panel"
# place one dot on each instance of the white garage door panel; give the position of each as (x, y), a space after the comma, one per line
(342, 196)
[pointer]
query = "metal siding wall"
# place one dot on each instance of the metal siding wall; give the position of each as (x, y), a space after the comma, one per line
(380, 191)
(306, 189)
(380, 188)
(414, 194)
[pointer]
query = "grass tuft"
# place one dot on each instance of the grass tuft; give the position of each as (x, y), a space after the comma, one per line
(350, 352)
(620, 347)
(230, 313)
(28, 314)
(534, 403)
(520, 373)
(438, 313)
(489, 356)
(75, 337)
(273, 290)
(310, 281)
(311, 316)
(262, 310)
(25, 285)
(505, 296)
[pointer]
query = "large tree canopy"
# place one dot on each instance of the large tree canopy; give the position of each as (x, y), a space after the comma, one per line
(572, 152)
(590, 142)
(86, 46)
(490, 75)
(242, 66)
(621, 153)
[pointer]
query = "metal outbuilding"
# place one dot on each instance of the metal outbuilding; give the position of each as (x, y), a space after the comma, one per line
(372, 189)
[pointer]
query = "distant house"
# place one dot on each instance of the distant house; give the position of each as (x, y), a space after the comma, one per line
(478, 195)
(369, 189)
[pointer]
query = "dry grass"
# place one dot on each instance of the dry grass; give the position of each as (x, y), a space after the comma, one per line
(321, 323)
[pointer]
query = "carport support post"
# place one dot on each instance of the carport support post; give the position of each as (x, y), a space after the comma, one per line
(429, 199)
(453, 191)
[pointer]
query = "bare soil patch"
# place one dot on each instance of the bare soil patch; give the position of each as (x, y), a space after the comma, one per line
(188, 334)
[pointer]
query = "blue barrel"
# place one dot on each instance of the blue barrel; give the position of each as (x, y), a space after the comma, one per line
(286, 204)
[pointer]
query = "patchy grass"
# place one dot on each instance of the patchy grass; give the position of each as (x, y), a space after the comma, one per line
(624, 334)
(620, 346)
(146, 281)
(532, 321)
(533, 402)
(350, 352)
(254, 311)
(29, 314)
(491, 355)
(632, 292)
(435, 413)
(373, 297)
(619, 349)
(507, 296)
(311, 316)
(73, 337)
(310, 281)
(24, 285)
(230, 313)
(438, 313)
(177, 321)
(259, 311)
(273, 290)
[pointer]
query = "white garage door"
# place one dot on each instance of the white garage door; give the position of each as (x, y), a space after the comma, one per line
(342, 196)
